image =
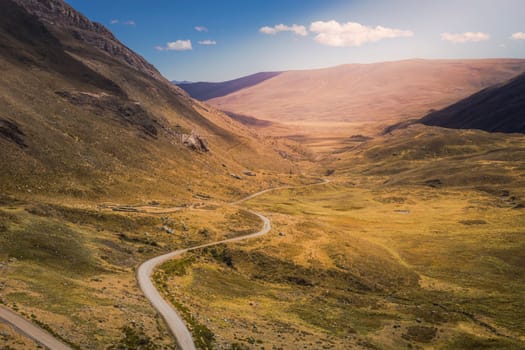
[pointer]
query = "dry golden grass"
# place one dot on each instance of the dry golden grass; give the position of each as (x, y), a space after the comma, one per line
(409, 246)
(71, 264)
(378, 259)
(10, 339)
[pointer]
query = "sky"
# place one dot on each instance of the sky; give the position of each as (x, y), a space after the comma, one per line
(218, 40)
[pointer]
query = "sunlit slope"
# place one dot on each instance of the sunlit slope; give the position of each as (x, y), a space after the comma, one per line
(368, 92)
(416, 243)
(82, 115)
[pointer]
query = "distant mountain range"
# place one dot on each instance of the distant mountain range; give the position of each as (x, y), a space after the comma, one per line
(499, 108)
(177, 82)
(384, 92)
(204, 91)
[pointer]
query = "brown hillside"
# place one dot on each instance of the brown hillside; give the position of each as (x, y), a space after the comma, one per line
(355, 93)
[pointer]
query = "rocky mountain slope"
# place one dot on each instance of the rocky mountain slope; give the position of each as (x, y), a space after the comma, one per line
(84, 116)
(499, 108)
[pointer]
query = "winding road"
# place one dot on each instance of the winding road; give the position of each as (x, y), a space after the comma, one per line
(31, 330)
(171, 316)
(174, 321)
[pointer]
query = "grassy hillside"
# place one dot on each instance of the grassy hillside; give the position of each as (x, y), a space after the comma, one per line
(415, 244)
(81, 121)
(105, 164)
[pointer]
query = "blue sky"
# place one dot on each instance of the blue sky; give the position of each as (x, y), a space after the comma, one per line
(216, 40)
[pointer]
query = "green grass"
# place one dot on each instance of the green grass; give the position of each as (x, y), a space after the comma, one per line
(134, 338)
(177, 267)
(379, 258)
(49, 243)
(94, 218)
(467, 342)
(352, 259)
(203, 337)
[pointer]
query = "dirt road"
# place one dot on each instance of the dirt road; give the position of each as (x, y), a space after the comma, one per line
(173, 319)
(31, 330)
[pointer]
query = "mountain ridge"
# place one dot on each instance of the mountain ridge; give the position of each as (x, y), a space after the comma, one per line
(59, 14)
(203, 91)
(499, 108)
(387, 91)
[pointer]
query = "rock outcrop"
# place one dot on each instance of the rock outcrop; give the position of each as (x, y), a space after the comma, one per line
(195, 142)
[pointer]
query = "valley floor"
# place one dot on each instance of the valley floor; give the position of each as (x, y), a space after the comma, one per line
(417, 242)
(347, 266)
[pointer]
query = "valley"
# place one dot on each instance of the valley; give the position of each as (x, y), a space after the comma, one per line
(322, 108)
(362, 206)
(386, 276)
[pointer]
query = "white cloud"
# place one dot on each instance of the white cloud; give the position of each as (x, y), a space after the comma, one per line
(126, 23)
(518, 36)
(201, 28)
(207, 42)
(297, 29)
(179, 45)
(465, 37)
(333, 33)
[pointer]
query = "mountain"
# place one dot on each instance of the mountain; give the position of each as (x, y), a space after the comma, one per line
(357, 93)
(499, 108)
(83, 116)
(178, 82)
(204, 91)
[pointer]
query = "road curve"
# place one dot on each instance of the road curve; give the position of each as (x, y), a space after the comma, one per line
(144, 272)
(171, 316)
(174, 321)
(31, 330)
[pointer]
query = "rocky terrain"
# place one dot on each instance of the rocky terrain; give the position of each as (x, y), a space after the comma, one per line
(65, 19)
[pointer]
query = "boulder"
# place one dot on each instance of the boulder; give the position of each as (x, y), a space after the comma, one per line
(195, 142)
